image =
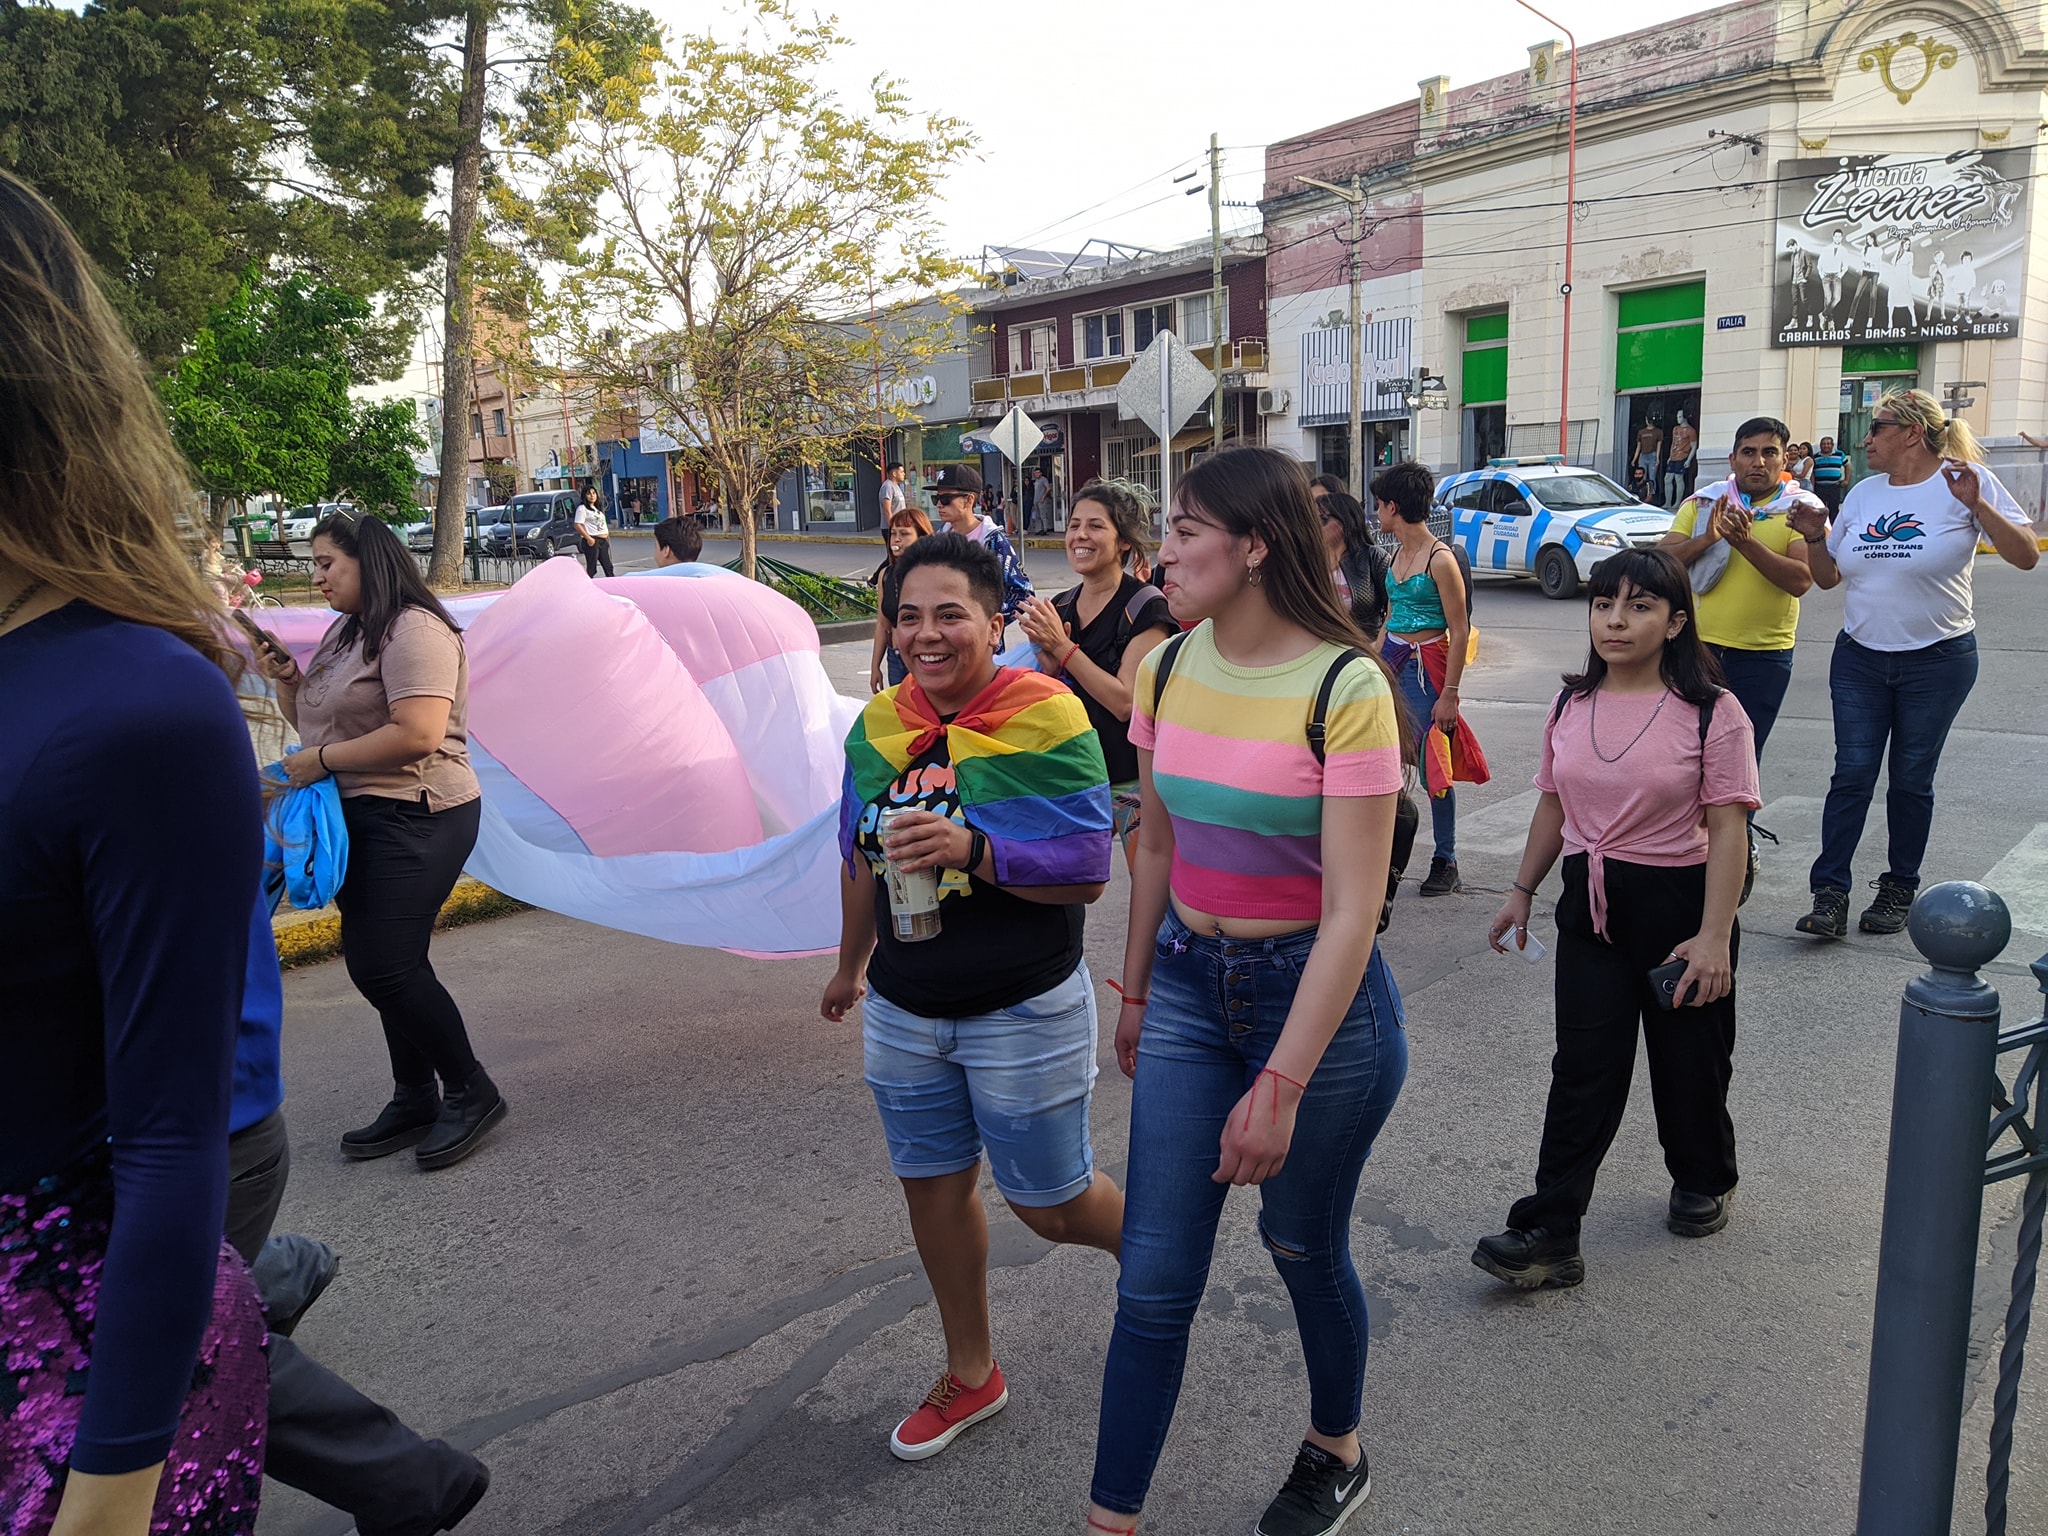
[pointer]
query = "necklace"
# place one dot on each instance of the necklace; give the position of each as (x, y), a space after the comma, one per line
(20, 598)
(1593, 727)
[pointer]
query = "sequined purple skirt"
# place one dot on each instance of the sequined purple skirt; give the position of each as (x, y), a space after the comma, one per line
(53, 1239)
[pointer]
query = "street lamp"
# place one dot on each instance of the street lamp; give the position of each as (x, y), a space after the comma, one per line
(1355, 196)
(1571, 200)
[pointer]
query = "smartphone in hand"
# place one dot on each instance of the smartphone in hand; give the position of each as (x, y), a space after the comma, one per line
(263, 639)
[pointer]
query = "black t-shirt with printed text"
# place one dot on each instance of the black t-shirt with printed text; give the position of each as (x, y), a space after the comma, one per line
(1104, 641)
(993, 950)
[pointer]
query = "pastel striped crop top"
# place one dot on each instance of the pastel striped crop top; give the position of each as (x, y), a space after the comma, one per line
(1232, 765)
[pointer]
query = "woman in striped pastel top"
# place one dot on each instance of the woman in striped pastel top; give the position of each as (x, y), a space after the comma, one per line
(1259, 1022)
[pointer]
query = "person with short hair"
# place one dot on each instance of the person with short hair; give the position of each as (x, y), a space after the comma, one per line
(982, 1035)
(1748, 616)
(678, 541)
(382, 707)
(1647, 775)
(1831, 475)
(1902, 549)
(956, 492)
(594, 532)
(894, 497)
(1429, 629)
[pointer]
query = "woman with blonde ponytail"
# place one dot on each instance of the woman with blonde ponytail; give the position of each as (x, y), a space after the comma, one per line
(1902, 549)
(130, 856)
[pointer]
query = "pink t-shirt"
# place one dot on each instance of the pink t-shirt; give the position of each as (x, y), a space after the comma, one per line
(1648, 806)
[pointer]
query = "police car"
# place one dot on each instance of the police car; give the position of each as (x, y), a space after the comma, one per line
(1544, 518)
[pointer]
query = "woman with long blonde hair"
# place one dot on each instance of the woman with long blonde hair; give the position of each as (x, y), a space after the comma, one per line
(130, 857)
(1902, 548)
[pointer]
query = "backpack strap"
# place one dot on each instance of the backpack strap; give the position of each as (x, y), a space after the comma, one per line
(1318, 715)
(1564, 697)
(1167, 653)
(1140, 600)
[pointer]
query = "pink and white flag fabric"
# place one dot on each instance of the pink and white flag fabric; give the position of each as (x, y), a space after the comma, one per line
(660, 753)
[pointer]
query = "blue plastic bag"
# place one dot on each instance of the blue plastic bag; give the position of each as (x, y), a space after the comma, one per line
(305, 843)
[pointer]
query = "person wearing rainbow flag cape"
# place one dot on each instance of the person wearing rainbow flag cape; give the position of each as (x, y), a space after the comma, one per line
(982, 1035)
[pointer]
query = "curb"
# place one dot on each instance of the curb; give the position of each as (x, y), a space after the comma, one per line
(306, 938)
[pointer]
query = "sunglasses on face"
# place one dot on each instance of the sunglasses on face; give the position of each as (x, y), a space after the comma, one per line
(945, 498)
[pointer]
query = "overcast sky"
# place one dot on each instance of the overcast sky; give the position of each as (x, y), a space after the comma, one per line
(1085, 109)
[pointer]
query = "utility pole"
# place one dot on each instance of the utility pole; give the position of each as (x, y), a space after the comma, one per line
(1571, 210)
(1216, 338)
(1355, 196)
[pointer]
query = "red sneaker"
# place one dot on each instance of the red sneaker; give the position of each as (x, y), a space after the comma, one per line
(948, 1408)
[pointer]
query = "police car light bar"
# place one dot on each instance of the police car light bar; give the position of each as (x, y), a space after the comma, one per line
(1527, 458)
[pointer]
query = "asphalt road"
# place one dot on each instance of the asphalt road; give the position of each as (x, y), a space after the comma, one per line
(676, 1294)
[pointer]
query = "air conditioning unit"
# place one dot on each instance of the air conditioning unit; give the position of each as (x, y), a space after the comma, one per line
(1274, 402)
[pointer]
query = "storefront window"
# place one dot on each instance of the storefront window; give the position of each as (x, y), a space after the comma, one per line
(1869, 372)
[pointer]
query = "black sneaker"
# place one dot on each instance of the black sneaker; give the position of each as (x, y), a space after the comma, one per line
(1829, 918)
(1529, 1261)
(1442, 878)
(1320, 1494)
(1887, 914)
(1694, 1215)
(467, 1113)
(405, 1120)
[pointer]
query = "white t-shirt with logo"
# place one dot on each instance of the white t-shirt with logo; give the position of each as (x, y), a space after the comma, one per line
(1906, 552)
(591, 520)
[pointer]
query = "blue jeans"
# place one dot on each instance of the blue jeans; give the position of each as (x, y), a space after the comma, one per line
(1016, 1081)
(1758, 679)
(1906, 698)
(1217, 1007)
(1443, 809)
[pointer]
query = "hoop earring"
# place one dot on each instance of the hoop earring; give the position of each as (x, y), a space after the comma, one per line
(1253, 574)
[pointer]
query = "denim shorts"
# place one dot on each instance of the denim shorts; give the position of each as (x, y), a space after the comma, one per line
(1016, 1081)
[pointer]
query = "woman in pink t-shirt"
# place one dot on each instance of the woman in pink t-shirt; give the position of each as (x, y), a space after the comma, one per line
(1648, 775)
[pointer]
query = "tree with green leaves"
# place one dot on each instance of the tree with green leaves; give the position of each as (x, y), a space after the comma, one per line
(260, 404)
(184, 142)
(730, 222)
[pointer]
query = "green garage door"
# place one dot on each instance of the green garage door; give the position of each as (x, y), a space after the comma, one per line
(1662, 338)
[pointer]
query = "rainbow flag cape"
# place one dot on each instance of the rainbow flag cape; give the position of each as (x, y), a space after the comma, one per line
(1029, 767)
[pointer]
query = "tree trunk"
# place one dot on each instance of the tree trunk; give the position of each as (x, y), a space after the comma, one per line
(739, 495)
(458, 310)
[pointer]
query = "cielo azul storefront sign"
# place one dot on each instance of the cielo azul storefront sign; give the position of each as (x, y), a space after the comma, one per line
(1905, 247)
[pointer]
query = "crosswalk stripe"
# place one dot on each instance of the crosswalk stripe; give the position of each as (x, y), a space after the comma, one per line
(2021, 877)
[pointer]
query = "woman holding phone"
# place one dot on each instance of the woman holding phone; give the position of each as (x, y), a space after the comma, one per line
(1648, 776)
(382, 707)
(1259, 1021)
(134, 1394)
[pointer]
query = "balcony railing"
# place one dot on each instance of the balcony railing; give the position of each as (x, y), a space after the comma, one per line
(1007, 389)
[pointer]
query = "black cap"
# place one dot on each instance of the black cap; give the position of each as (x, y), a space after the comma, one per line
(956, 477)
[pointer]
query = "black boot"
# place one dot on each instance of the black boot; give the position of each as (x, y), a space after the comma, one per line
(466, 1115)
(1531, 1260)
(409, 1116)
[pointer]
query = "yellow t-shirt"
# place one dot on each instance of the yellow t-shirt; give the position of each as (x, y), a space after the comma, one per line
(1745, 610)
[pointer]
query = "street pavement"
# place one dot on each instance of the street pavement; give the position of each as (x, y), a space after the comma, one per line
(676, 1293)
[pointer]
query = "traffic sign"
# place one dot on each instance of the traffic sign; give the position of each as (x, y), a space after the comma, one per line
(1165, 385)
(1016, 435)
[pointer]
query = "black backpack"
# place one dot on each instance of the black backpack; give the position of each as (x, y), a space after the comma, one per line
(1126, 622)
(1407, 820)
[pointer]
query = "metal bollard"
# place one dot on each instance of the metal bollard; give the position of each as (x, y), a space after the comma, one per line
(1933, 1202)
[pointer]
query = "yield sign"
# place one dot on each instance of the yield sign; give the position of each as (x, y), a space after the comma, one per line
(1016, 435)
(1165, 385)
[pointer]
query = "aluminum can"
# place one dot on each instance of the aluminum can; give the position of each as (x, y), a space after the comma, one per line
(913, 894)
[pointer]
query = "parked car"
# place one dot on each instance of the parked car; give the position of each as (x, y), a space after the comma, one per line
(542, 523)
(300, 522)
(1542, 517)
(419, 537)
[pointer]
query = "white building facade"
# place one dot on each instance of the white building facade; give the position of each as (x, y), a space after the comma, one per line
(1782, 207)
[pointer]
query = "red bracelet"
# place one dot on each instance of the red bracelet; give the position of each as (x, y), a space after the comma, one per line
(1114, 1530)
(1118, 989)
(1269, 1072)
(1069, 656)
